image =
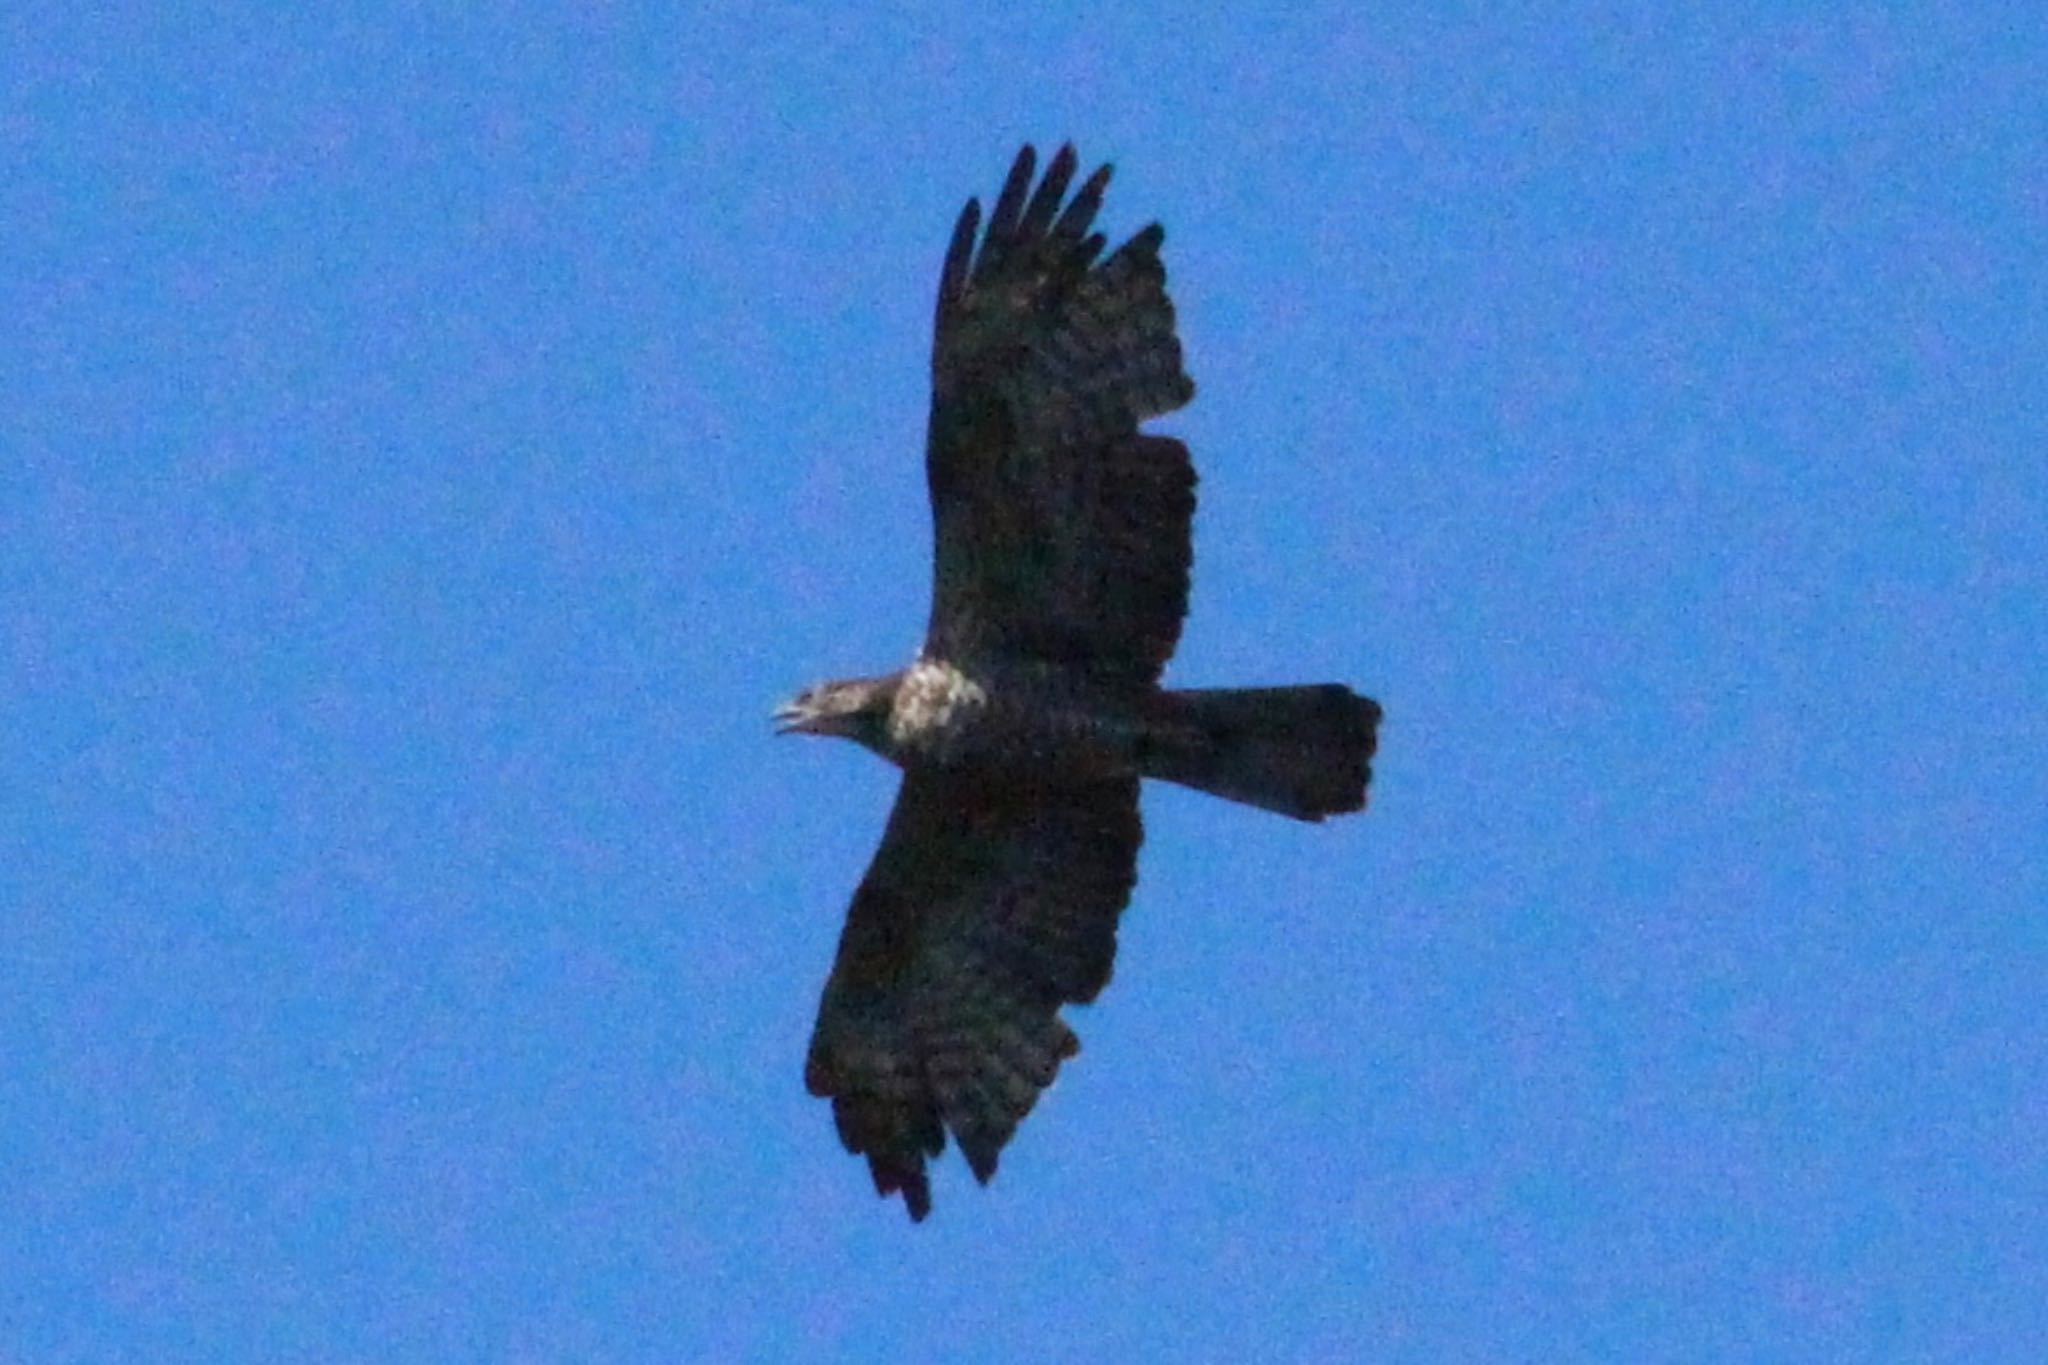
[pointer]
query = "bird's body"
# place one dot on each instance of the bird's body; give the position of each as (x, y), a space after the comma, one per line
(1062, 551)
(945, 715)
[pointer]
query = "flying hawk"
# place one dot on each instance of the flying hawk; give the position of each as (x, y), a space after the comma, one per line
(1060, 579)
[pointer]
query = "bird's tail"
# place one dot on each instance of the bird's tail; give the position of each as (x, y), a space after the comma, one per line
(1302, 751)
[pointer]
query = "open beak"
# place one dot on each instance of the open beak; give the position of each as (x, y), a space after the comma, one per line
(791, 719)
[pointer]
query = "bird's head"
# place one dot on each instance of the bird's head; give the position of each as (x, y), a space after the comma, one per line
(852, 708)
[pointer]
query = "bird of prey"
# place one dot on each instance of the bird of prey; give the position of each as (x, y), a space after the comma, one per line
(1060, 578)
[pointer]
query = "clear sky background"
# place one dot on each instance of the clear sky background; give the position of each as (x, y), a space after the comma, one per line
(432, 439)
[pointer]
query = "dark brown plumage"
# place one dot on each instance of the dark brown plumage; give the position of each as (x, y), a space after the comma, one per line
(1060, 580)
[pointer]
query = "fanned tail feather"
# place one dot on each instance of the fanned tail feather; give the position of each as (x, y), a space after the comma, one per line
(1305, 752)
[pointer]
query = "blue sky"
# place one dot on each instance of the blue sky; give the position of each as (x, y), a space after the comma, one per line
(432, 439)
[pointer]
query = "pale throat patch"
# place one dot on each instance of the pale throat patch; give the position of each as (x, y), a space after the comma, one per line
(931, 696)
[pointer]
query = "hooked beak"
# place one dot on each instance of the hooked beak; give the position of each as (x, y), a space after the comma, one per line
(791, 719)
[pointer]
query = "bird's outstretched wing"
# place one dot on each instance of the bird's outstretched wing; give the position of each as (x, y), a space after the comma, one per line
(1061, 532)
(986, 908)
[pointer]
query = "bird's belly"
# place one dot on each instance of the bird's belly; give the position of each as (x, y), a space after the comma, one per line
(944, 715)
